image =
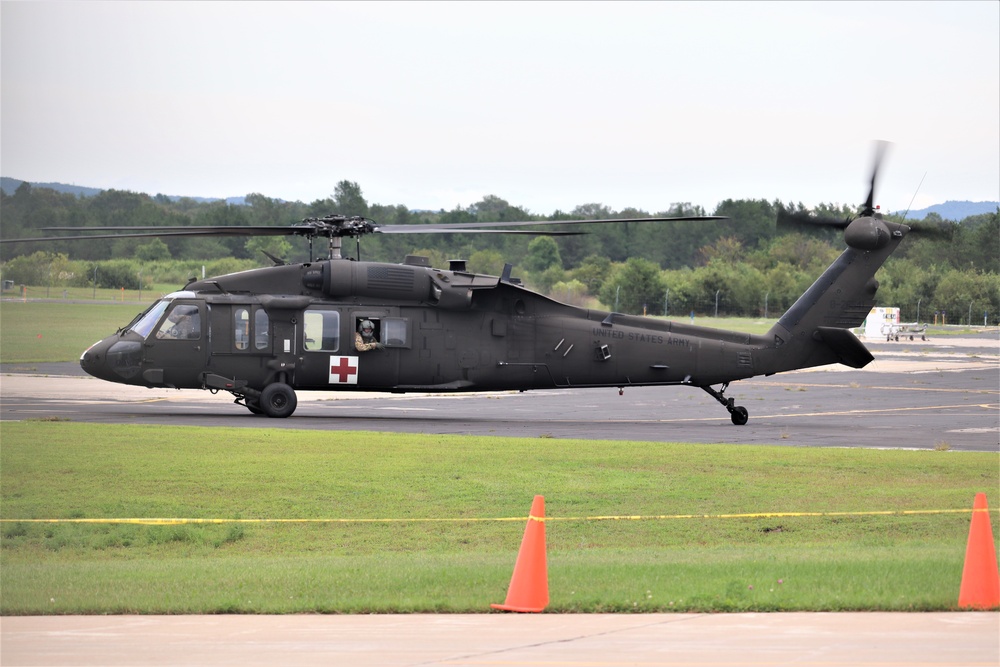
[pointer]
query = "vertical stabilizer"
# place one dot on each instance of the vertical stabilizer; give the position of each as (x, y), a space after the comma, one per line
(815, 330)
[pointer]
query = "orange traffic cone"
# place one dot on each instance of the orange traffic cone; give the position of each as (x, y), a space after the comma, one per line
(980, 577)
(529, 586)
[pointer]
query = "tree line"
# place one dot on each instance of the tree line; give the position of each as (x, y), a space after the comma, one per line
(739, 266)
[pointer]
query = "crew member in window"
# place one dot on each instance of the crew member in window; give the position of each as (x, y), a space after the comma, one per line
(364, 339)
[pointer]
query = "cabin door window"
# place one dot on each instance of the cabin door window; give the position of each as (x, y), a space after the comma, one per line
(322, 330)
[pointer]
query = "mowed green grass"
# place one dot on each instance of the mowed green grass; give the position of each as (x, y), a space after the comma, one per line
(44, 331)
(411, 523)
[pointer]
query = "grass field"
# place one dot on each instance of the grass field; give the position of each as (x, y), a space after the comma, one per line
(135, 297)
(49, 331)
(55, 329)
(405, 523)
(440, 542)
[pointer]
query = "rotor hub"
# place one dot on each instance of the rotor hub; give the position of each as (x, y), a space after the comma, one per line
(335, 226)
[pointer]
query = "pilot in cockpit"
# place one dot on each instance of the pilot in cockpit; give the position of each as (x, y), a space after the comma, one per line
(183, 323)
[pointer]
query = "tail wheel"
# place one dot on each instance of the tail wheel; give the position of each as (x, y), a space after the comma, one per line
(737, 413)
(278, 400)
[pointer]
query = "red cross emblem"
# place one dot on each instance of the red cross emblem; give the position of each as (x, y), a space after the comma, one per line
(343, 370)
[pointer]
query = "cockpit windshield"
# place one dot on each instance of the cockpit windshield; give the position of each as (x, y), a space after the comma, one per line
(149, 319)
(144, 324)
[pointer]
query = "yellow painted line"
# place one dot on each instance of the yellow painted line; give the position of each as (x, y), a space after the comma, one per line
(940, 390)
(179, 521)
(984, 406)
(656, 517)
(892, 388)
(765, 515)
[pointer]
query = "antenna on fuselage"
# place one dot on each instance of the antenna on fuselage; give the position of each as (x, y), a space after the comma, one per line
(910, 205)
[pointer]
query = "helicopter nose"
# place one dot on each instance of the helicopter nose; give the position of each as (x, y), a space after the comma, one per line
(113, 359)
(89, 360)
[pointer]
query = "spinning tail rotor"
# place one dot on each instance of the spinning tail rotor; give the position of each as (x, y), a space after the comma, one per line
(868, 210)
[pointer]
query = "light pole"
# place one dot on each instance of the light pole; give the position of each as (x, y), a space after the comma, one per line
(717, 302)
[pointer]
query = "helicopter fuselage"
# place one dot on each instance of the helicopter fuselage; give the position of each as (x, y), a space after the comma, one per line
(438, 331)
(343, 325)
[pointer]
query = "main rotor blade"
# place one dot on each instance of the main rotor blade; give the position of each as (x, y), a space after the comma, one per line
(433, 228)
(209, 229)
(132, 233)
(540, 223)
(339, 226)
(430, 229)
(124, 233)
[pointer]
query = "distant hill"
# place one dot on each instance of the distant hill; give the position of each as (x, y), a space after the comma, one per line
(9, 185)
(950, 210)
(955, 210)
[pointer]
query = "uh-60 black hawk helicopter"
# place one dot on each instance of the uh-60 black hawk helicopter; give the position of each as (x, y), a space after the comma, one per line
(344, 324)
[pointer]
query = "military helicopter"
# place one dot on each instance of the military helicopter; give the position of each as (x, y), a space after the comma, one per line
(344, 324)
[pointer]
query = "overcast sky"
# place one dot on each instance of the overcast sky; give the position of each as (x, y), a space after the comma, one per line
(547, 105)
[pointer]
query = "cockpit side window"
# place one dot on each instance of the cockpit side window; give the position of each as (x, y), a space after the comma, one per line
(183, 322)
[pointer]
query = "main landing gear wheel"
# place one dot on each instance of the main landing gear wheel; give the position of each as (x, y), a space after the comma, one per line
(277, 400)
(737, 413)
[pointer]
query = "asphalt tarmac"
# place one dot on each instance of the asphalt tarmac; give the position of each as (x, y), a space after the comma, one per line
(941, 394)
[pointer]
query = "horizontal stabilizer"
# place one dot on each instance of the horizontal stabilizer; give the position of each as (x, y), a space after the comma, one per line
(849, 350)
